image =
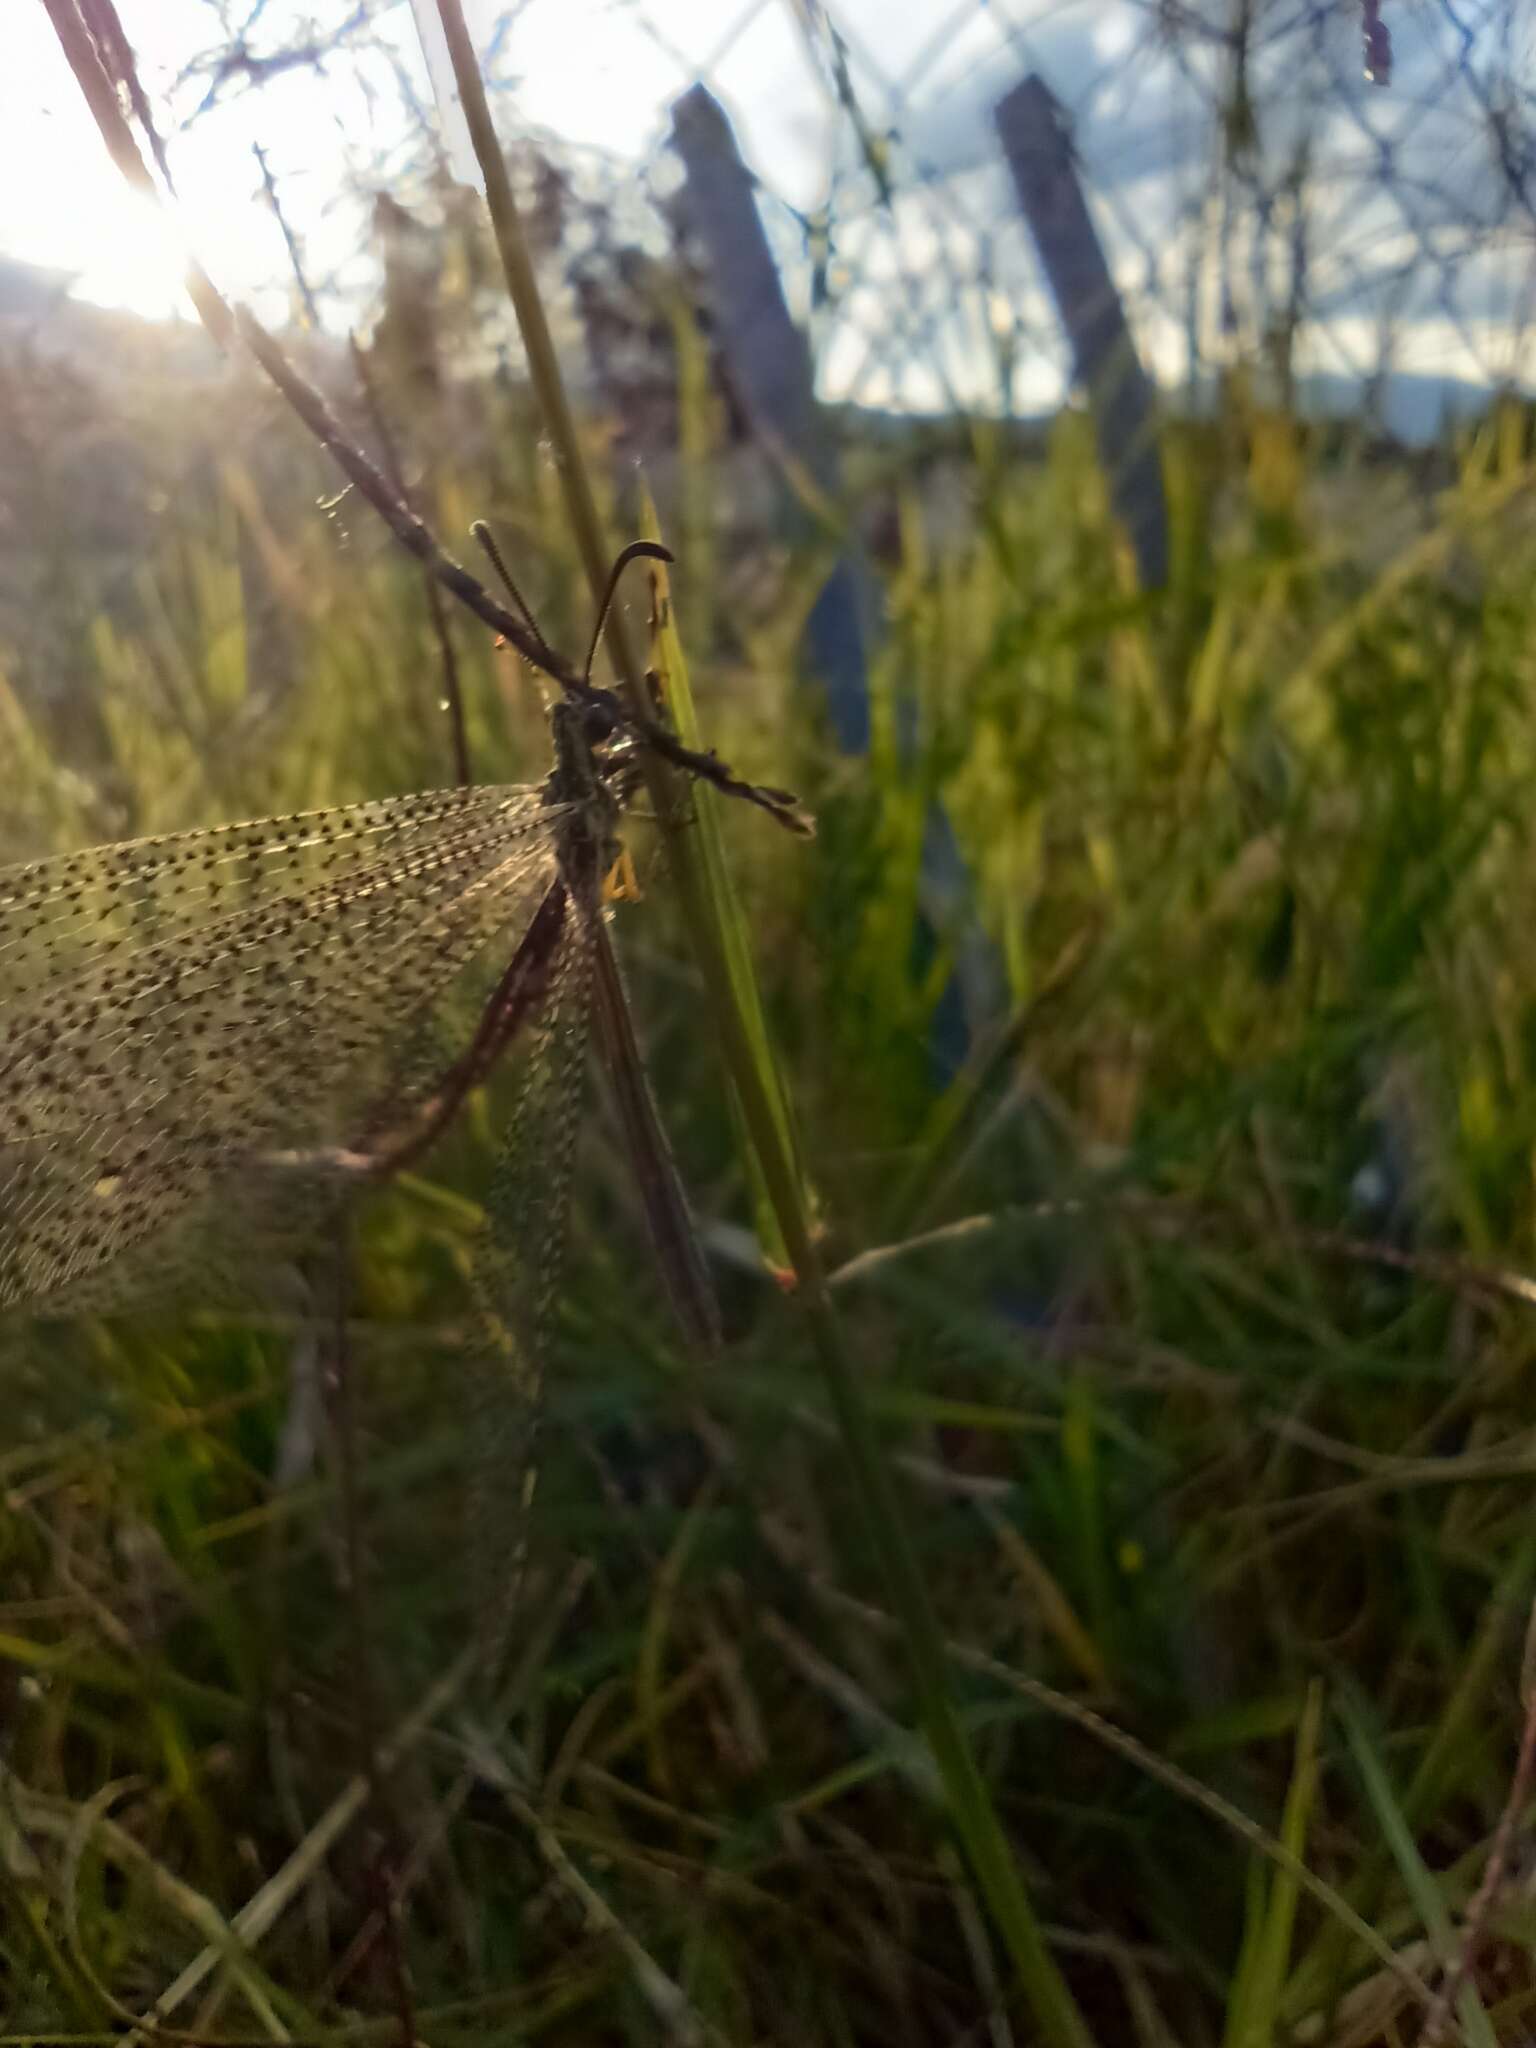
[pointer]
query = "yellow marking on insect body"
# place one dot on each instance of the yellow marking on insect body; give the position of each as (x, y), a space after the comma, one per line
(621, 884)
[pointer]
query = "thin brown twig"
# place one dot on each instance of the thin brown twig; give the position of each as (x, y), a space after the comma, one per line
(663, 1200)
(437, 617)
(290, 239)
(408, 528)
(1449, 1269)
(106, 28)
(85, 59)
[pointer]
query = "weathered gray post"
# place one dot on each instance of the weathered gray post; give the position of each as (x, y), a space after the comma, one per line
(770, 367)
(1033, 128)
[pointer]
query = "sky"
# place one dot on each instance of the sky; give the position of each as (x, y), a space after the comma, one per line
(1411, 234)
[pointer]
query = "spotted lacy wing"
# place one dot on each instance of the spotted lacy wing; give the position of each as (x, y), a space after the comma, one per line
(180, 1017)
(519, 1264)
(59, 914)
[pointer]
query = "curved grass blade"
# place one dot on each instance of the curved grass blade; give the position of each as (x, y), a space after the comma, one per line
(669, 664)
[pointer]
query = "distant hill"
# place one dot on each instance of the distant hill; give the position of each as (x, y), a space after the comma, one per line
(1408, 406)
(40, 320)
(37, 311)
(111, 423)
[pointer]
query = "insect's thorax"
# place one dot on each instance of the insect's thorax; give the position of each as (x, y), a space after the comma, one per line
(587, 837)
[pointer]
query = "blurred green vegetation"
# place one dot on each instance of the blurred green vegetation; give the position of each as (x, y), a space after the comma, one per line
(1190, 1310)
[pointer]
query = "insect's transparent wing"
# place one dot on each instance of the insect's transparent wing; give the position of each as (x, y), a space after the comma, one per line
(59, 914)
(426, 1088)
(518, 1271)
(674, 1236)
(178, 1012)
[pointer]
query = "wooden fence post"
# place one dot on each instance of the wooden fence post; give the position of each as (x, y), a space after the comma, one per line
(770, 367)
(1032, 126)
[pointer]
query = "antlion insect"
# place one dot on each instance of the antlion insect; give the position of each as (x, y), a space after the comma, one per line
(212, 1018)
(219, 1025)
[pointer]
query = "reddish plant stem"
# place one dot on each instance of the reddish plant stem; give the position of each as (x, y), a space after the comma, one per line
(517, 997)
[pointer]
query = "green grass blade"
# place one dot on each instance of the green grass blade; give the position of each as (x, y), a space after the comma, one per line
(669, 662)
(1256, 2003)
(1417, 1879)
(970, 1802)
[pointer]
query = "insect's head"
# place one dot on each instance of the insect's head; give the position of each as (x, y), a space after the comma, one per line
(607, 718)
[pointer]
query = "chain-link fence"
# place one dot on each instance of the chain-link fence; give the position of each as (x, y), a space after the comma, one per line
(1342, 191)
(1340, 194)
(1258, 193)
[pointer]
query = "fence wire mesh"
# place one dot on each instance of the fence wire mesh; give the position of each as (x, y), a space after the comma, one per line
(1343, 191)
(1340, 194)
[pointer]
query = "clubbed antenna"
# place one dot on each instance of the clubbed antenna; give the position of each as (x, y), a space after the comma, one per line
(488, 542)
(637, 551)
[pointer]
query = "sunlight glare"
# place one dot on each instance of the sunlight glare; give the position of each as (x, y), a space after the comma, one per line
(133, 257)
